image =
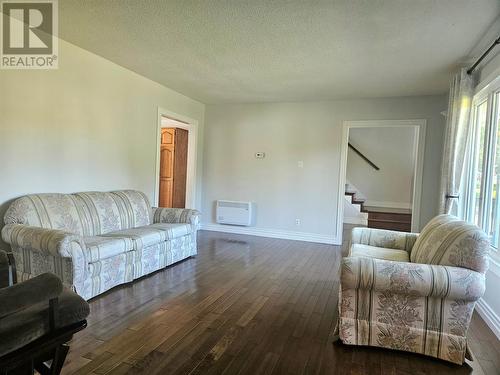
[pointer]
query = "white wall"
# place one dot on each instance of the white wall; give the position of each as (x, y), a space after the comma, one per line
(90, 125)
(392, 150)
(308, 132)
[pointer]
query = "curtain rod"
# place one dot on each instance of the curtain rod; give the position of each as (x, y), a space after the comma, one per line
(473, 67)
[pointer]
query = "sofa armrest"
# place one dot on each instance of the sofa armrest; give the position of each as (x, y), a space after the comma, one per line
(39, 250)
(176, 215)
(422, 280)
(47, 241)
(30, 292)
(383, 238)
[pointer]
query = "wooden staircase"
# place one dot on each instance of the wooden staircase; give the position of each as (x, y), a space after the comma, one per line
(382, 217)
(379, 217)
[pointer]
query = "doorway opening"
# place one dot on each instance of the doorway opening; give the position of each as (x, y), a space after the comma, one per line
(173, 164)
(381, 174)
(175, 185)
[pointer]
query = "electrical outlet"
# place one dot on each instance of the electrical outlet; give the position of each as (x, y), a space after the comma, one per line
(300, 164)
(297, 222)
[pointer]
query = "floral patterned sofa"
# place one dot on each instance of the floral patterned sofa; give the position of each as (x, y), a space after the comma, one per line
(96, 240)
(413, 292)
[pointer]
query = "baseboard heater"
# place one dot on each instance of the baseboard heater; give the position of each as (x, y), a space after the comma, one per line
(235, 213)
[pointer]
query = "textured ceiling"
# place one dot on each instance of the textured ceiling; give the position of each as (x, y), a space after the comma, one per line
(258, 51)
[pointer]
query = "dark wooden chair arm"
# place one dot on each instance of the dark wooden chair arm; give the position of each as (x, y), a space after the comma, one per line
(41, 288)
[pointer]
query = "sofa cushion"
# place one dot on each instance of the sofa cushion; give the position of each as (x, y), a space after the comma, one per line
(141, 237)
(25, 326)
(103, 211)
(359, 250)
(86, 214)
(448, 241)
(50, 211)
(99, 247)
(174, 230)
(113, 211)
(137, 206)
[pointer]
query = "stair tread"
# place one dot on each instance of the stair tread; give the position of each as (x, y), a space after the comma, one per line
(388, 210)
(389, 221)
(353, 195)
(388, 215)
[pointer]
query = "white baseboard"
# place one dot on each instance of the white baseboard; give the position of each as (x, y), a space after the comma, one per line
(387, 204)
(355, 220)
(273, 233)
(489, 316)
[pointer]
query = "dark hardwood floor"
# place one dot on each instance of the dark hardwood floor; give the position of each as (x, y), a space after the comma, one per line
(244, 305)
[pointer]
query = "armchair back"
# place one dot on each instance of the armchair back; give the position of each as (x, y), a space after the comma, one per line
(86, 214)
(448, 241)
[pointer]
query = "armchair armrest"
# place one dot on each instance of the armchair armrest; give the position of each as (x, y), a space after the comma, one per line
(176, 215)
(47, 241)
(383, 238)
(30, 292)
(422, 280)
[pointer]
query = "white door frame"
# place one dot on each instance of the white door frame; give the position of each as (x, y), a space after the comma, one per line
(420, 128)
(191, 125)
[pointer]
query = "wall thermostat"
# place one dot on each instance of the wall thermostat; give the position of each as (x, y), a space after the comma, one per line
(260, 155)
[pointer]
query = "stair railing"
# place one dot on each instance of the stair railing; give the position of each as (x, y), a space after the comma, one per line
(363, 156)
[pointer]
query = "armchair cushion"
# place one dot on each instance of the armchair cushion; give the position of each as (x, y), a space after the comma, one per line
(405, 278)
(27, 325)
(448, 241)
(20, 296)
(383, 238)
(359, 250)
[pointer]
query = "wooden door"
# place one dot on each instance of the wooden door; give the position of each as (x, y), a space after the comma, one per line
(167, 154)
(180, 168)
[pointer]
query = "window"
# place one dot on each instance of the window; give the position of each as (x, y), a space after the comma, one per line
(481, 187)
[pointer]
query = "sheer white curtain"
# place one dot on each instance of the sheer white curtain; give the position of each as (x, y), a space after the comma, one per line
(456, 134)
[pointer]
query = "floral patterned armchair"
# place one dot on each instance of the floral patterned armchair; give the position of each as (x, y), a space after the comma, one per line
(413, 292)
